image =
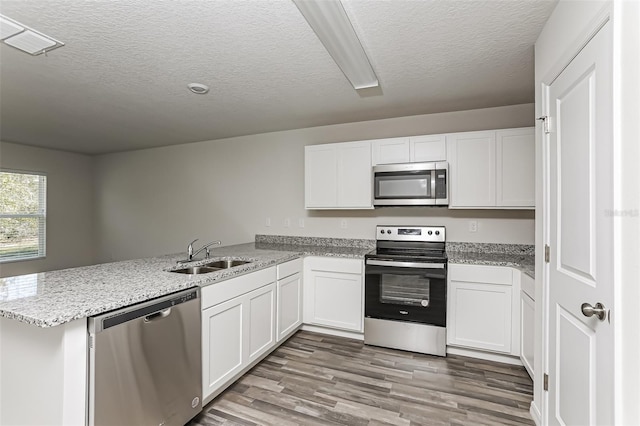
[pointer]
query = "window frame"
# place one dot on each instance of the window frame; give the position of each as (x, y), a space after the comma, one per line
(41, 216)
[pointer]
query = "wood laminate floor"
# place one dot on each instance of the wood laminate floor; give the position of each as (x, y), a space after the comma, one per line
(315, 379)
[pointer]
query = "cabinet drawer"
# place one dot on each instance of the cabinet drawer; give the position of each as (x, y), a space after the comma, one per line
(226, 290)
(481, 274)
(331, 264)
(289, 268)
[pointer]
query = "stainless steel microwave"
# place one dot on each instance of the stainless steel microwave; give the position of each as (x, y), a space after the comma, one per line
(411, 184)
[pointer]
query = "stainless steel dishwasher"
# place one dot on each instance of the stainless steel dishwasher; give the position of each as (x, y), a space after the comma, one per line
(145, 363)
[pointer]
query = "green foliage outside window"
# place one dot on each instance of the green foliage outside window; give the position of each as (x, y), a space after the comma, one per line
(22, 215)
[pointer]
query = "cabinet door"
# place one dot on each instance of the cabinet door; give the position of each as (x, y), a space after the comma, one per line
(222, 344)
(428, 148)
(479, 316)
(321, 176)
(527, 311)
(472, 169)
(515, 174)
(334, 292)
(289, 305)
(389, 151)
(354, 175)
(260, 330)
(336, 300)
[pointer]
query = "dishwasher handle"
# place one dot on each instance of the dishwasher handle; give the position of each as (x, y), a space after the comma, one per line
(157, 315)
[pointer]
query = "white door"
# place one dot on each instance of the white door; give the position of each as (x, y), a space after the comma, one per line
(580, 348)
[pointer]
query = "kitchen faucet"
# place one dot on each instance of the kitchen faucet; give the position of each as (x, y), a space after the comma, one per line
(191, 254)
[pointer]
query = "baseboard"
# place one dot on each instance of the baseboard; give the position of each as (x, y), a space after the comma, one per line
(535, 413)
(488, 356)
(333, 332)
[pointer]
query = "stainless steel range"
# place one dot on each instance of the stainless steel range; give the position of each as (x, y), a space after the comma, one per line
(406, 289)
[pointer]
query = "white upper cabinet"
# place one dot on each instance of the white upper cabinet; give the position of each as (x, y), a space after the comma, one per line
(414, 149)
(354, 175)
(321, 176)
(338, 176)
(492, 169)
(391, 151)
(428, 148)
(472, 169)
(515, 153)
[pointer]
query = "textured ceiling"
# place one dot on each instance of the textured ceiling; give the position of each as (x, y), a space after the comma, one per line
(120, 81)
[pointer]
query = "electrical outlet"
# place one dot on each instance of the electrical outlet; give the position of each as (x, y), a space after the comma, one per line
(343, 224)
(267, 222)
(473, 226)
(287, 222)
(300, 223)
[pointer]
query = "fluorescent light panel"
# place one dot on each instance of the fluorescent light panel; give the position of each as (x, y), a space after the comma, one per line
(28, 40)
(331, 24)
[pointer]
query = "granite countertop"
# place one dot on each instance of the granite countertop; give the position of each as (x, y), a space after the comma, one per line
(52, 298)
(519, 256)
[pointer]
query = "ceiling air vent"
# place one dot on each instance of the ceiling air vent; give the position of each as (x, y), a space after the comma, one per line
(33, 42)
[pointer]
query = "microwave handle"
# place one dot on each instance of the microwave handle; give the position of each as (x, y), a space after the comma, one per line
(433, 183)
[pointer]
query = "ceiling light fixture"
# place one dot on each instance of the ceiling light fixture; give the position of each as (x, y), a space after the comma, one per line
(33, 42)
(331, 24)
(198, 89)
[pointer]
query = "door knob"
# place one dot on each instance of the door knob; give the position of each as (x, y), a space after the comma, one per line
(598, 310)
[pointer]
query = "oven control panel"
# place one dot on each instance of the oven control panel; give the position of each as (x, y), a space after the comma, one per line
(410, 233)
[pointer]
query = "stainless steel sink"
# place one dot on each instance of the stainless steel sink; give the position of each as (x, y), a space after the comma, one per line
(225, 264)
(194, 270)
(211, 267)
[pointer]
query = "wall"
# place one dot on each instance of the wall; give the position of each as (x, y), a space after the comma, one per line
(155, 201)
(70, 238)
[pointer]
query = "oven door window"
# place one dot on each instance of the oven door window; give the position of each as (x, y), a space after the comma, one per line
(406, 294)
(403, 185)
(404, 290)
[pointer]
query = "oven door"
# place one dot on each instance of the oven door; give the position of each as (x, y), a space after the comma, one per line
(406, 291)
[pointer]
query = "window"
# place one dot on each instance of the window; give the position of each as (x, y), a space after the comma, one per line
(23, 215)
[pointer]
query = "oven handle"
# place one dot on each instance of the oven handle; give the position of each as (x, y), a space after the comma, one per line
(412, 265)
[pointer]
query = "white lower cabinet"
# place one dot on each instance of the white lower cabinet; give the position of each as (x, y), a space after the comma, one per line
(334, 293)
(289, 305)
(481, 312)
(238, 326)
